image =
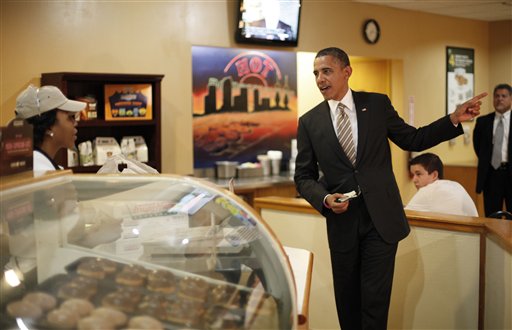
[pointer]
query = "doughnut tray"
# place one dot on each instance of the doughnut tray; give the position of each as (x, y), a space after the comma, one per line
(179, 302)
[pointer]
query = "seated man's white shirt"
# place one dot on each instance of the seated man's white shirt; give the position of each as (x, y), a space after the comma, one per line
(443, 196)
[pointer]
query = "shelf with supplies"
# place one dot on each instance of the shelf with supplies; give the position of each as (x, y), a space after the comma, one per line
(119, 105)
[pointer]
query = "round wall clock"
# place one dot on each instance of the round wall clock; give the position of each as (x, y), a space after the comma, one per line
(371, 31)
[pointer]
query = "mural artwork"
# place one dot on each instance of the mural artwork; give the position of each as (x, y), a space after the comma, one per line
(244, 103)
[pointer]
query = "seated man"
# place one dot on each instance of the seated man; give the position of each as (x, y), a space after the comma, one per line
(435, 194)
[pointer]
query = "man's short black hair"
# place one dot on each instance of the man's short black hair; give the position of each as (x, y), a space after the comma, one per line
(503, 86)
(336, 53)
(431, 162)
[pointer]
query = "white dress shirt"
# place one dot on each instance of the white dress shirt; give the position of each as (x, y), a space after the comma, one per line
(443, 196)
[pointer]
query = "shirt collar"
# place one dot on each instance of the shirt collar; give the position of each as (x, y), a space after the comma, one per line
(505, 115)
(347, 100)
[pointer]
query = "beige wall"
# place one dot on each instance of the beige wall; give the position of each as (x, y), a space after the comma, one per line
(156, 37)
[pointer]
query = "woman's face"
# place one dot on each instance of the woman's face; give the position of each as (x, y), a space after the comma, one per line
(64, 130)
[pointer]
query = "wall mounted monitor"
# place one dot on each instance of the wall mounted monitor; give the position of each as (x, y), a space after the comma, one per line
(268, 22)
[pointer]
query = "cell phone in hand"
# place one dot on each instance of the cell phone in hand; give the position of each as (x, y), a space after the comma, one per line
(346, 197)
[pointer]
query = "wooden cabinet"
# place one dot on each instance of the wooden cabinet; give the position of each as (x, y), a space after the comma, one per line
(78, 84)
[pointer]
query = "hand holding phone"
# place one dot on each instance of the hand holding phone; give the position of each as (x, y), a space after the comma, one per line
(346, 196)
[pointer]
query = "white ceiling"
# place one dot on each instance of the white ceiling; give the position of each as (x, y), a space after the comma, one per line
(483, 10)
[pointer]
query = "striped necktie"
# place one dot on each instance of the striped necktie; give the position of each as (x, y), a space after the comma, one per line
(344, 132)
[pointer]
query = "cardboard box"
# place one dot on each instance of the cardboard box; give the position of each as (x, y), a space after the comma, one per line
(105, 147)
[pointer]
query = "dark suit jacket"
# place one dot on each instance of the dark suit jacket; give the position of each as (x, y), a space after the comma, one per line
(377, 121)
(482, 143)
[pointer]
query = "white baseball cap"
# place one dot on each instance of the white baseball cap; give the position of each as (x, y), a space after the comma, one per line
(34, 101)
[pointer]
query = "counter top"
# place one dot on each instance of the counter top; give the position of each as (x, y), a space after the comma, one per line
(254, 182)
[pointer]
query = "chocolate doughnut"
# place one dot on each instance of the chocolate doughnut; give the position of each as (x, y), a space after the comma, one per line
(194, 288)
(129, 279)
(108, 266)
(69, 291)
(122, 301)
(136, 269)
(162, 285)
(91, 268)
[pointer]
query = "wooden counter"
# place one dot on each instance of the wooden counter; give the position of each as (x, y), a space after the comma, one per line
(451, 272)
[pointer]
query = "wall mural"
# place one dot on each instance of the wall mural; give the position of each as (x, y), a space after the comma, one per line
(244, 103)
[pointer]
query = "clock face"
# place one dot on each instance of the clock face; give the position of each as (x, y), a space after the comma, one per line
(371, 31)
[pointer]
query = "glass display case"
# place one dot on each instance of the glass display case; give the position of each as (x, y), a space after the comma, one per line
(156, 252)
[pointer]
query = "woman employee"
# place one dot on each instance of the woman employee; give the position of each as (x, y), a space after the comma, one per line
(54, 119)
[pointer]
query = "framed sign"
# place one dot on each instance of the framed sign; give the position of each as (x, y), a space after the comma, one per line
(460, 76)
(128, 102)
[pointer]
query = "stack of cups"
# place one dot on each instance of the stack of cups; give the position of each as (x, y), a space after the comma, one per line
(275, 160)
(265, 164)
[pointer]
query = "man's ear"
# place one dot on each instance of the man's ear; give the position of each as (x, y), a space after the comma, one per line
(348, 71)
(435, 174)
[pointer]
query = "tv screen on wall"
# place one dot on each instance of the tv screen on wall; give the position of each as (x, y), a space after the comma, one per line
(270, 22)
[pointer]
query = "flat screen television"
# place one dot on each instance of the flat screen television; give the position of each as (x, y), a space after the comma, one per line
(269, 22)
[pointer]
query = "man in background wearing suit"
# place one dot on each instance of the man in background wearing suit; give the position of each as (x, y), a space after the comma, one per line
(492, 141)
(363, 233)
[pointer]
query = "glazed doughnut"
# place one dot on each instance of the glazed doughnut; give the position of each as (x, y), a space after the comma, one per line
(62, 318)
(95, 323)
(118, 318)
(24, 309)
(145, 322)
(42, 299)
(81, 306)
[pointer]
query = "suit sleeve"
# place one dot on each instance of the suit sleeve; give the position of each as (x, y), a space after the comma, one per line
(418, 139)
(306, 170)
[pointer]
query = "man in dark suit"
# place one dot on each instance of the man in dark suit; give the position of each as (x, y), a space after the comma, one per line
(363, 233)
(495, 180)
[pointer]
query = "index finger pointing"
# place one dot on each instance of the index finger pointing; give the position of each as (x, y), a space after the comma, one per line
(478, 97)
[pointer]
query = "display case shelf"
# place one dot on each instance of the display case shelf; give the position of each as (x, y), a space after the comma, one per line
(202, 258)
